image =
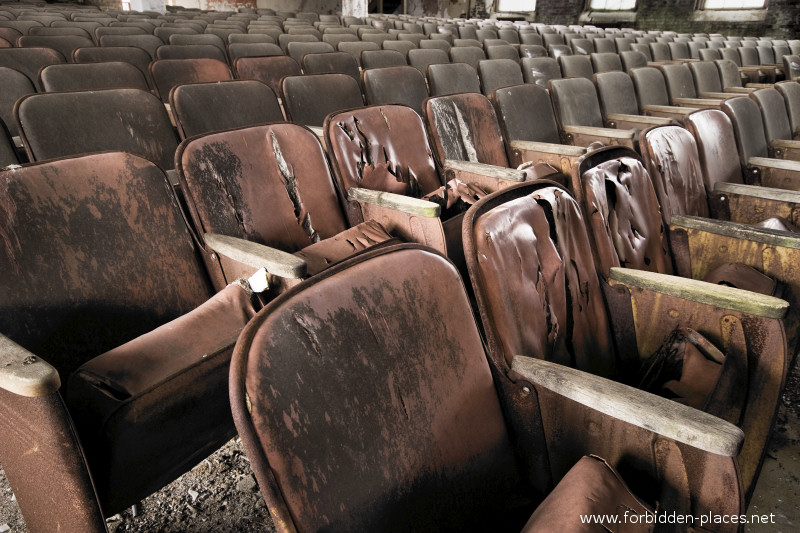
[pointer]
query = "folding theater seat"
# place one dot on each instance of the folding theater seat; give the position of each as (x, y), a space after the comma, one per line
(651, 93)
(115, 348)
(782, 140)
(380, 156)
(681, 88)
(128, 54)
(169, 73)
(552, 307)
(790, 90)
(497, 73)
(149, 43)
(395, 85)
(269, 70)
(467, 54)
(190, 51)
(331, 62)
(452, 78)
(421, 58)
(540, 70)
(269, 185)
(29, 60)
(410, 458)
(205, 107)
(310, 98)
(90, 76)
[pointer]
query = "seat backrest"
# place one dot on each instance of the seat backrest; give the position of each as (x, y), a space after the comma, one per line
(382, 59)
(650, 87)
(731, 54)
(117, 262)
(679, 80)
(790, 91)
(464, 127)
(525, 113)
(148, 43)
(660, 52)
(773, 114)
(383, 148)
(575, 102)
(395, 85)
(13, 86)
(60, 124)
(679, 50)
(672, 160)
(748, 126)
(632, 59)
(421, 58)
(401, 46)
(286, 38)
(269, 69)
(716, 144)
(169, 73)
(29, 61)
(504, 51)
(331, 62)
(532, 50)
(728, 73)
(203, 38)
(582, 46)
(765, 55)
(239, 49)
(420, 478)
(605, 45)
(309, 99)
(709, 54)
(190, 51)
(606, 62)
(791, 66)
(452, 78)
(205, 107)
(467, 54)
(616, 93)
(748, 56)
(127, 54)
(355, 48)
(622, 212)
(90, 76)
(644, 49)
(64, 44)
(540, 70)
(706, 77)
(296, 50)
(268, 184)
(496, 73)
(552, 306)
(576, 66)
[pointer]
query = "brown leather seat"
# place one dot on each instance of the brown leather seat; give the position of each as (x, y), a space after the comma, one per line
(91, 76)
(115, 348)
(391, 443)
(310, 98)
(169, 73)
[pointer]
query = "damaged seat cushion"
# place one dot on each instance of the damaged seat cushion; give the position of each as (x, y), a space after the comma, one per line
(133, 405)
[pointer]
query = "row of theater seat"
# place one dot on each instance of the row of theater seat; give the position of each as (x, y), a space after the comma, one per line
(366, 381)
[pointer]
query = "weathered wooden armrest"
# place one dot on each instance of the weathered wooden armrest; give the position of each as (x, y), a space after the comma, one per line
(696, 102)
(406, 204)
(24, 373)
(600, 132)
(257, 255)
(756, 86)
(641, 409)
(702, 292)
(778, 164)
(767, 193)
(718, 96)
(668, 109)
(639, 119)
(559, 149)
(492, 171)
(740, 90)
(783, 147)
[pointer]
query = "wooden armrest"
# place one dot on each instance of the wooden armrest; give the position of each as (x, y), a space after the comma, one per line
(785, 148)
(668, 109)
(642, 409)
(406, 204)
(560, 149)
(257, 255)
(702, 292)
(756, 86)
(767, 193)
(640, 119)
(23, 373)
(492, 171)
(779, 164)
(600, 132)
(695, 102)
(717, 96)
(740, 90)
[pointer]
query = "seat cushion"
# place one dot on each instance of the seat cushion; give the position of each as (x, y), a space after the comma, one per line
(590, 489)
(140, 407)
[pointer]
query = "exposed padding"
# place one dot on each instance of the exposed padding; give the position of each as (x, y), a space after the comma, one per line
(137, 405)
(591, 487)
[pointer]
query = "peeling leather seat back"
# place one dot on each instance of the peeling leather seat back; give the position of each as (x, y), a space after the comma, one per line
(62, 124)
(624, 219)
(576, 103)
(308, 99)
(73, 231)
(390, 444)
(748, 126)
(616, 93)
(29, 60)
(267, 69)
(531, 264)
(205, 107)
(382, 148)
(773, 114)
(674, 164)
(526, 114)
(269, 184)
(169, 73)
(716, 146)
(464, 127)
(650, 87)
